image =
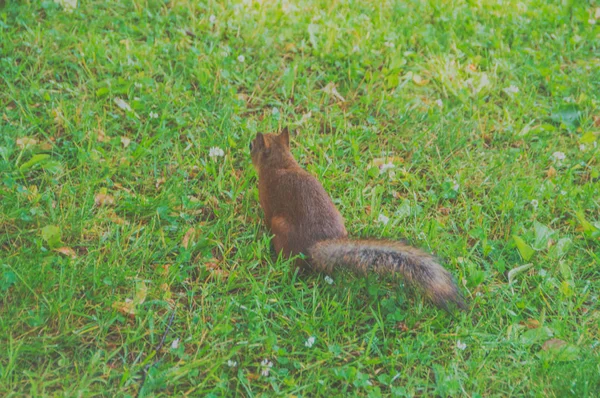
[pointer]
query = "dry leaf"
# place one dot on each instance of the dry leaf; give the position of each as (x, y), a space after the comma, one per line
(126, 308)
(472, 68)
(125, 141)
(122, 104)
(116, 219)
(532, 323)
(45, 146)
(26, 142)
(551, 172)
(331, 90)
(101, 136)
(159, 182)
(186, 238)
(102, 199)
(597, 121)
(419, 81)
(553, 344)
(67, 251)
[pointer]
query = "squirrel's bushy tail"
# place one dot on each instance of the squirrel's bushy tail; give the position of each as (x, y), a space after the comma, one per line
(417, 267)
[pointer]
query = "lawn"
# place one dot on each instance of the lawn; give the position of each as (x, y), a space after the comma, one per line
(129, 206)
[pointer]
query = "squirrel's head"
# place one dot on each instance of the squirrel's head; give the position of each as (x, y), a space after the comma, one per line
(271, 150)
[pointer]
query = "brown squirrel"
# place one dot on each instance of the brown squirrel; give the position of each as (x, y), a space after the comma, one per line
(305, 221)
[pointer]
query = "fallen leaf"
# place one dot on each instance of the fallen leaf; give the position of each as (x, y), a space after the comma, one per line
(125, 141)
(553, 344)
(101, 136)
(444, 210)
(419, 81)
(116, 219)
(532, 323)
(472, 68)
(26, 142)
(551, 172)
(127, 307)
(67, 251)
(186, 238)
(122, 104)
(597, 121)
(102, 199)
(331, 90)
(45, 146)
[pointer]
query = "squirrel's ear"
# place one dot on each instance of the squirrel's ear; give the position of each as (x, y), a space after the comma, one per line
(284, 137)
(260, 140)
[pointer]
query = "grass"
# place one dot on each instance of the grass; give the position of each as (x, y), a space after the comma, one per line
(112, 212)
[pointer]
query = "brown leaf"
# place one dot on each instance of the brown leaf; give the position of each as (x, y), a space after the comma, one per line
(551, 172)
(116, 219)
(46, 146)
(597, 121)
(402, 326)
(532, 323)
(26, 142)
(186, 238)
(67, 251)
(101, 136)
(553, 344)
(102, 199)
(126, 308)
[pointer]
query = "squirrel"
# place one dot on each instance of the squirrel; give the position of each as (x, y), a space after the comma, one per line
(306, 223)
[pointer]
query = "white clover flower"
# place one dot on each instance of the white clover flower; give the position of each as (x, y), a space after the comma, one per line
(153, 115)
(439, 103)
(216, 152)
(355, 49)
(455, 186)
(231, 363)
(266, 367)
(559, 156)
(512, 89)
(582, 147)
(175, 344)
(389, 44)
(534, 203)
(383, 219)
(460, 345)
(212, 19)
(275, 111)
(241, 58)
(329, 280)
(592, 21)
(137, 85)
(310, 342)
(563, 193)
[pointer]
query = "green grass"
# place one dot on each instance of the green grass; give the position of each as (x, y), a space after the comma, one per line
(147, 221)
